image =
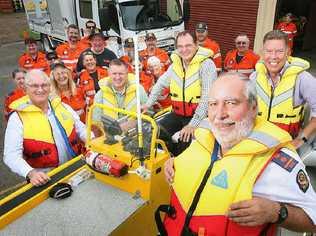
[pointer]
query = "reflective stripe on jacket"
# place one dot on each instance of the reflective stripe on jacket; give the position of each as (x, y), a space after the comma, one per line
(276, 105)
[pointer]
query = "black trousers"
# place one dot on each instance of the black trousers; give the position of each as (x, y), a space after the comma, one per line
(169, 125)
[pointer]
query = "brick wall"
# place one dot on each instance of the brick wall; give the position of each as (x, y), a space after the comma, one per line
(6, 6)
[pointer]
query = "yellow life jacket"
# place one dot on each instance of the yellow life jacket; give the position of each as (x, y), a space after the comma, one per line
(185, 86)
(231, 180)
(109, 98)
(277, 105)
(233, 176)
(39, 147)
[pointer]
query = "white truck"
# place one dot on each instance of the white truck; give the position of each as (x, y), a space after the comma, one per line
(119, 19)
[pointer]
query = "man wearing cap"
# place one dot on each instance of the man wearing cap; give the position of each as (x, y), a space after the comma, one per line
(42, 132)
(284, 87)
(32, 58)
(98, 48)
(241, 59)
(128, 58)
(205, 41)
(189, 78)
(152, 50)
(288, 27)
(69, 52)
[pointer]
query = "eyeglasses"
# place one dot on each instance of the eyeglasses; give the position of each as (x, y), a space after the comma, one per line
(241, 43)
(37, 86)
(90, 27)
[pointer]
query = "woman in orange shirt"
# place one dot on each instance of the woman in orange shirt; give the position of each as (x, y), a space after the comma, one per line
(18, 77)
(64, 87)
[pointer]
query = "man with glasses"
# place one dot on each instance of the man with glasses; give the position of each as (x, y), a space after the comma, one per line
(241, 59)
(189, 78)
(42, 133)
(284, 87)
(201, 33)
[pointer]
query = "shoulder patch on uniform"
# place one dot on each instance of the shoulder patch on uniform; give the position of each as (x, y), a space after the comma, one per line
(284, 160)
(302, 180)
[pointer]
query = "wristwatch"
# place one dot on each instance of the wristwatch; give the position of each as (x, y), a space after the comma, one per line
(302, 137)
(283, 214)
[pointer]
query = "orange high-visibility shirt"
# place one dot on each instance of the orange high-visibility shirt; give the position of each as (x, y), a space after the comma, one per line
(27, 62)
(160, 53)
(86, 82)
(11, 97)
(245, 66)
(69, 56)
(217, 57)
(77, 103)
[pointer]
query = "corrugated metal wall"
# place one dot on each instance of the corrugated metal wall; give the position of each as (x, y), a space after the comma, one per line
(225, 19)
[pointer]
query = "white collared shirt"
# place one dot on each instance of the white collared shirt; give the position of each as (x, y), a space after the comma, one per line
(13, 141)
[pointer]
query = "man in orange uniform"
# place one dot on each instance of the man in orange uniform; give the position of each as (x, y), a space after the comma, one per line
(90, 76)
(32, 58)
(18, 92)
(204, 41)
(90, 27)
(241, 59)
(288, 27)
(152, 50)
(69, 52)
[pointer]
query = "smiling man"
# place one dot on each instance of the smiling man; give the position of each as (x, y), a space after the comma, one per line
(189, 78)
(241, 59)
(42, 133)
(284, 87)
(239, 177)
(117, 90)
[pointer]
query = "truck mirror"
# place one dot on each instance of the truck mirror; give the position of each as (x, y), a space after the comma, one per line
(104, 17)
(186, 10)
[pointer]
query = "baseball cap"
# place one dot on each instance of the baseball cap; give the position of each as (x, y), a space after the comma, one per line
(150, 36)
(29, 41)
(129, 43)
(96, 33)
(201, 27)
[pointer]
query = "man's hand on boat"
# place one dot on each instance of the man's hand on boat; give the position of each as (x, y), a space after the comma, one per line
(38, 178)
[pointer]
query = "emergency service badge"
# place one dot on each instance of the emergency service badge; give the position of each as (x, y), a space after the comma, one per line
(231, 61)
(302, 180)
(28, 61)
(65, 52)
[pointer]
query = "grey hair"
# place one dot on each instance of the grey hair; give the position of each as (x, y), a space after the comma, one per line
(153, 61)
(250, 90)
(35, 73)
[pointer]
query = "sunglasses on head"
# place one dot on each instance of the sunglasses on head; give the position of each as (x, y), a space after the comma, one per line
(241, 43)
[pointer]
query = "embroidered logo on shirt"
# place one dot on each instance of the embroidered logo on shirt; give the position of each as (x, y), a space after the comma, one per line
(220, 180)
(284, 160)
(302, 180)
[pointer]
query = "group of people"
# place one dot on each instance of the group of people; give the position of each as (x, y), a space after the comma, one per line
(233, 138)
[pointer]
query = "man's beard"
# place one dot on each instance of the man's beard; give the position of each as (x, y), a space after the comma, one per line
(241, 130)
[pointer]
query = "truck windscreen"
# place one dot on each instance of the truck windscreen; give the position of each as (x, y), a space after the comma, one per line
(150, 14)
